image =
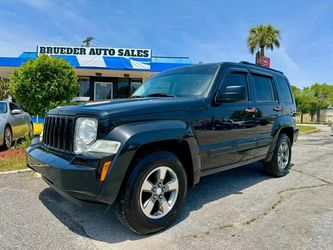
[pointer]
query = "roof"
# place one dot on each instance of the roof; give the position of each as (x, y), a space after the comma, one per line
(154, 64)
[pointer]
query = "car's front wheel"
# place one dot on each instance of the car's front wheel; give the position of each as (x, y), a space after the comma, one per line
(153, 194)
(8, 138)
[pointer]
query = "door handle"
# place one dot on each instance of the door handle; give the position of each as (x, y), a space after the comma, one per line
(278, 109)
(250, 110)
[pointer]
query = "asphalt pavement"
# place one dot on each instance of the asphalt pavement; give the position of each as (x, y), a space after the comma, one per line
(237, 209)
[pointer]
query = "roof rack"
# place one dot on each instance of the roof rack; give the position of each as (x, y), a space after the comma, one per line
(260, 66)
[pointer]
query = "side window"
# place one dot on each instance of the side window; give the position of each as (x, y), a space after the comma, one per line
(264, 88)
(234, 87)
(284, 90)
(12, 106)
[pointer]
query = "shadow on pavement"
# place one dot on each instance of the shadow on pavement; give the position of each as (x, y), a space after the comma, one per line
(102, 225)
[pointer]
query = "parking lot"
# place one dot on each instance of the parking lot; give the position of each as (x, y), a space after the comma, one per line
(239, 208)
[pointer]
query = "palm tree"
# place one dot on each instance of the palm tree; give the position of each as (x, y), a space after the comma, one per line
(263, 36)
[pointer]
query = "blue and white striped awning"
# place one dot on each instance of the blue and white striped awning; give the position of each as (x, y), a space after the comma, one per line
(153, 64)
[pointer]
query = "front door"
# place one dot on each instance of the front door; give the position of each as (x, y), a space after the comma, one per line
(230, 136)
(103, 91)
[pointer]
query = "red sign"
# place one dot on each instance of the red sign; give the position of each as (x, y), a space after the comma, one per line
(262, 60)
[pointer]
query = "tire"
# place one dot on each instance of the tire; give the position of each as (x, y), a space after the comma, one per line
(7, 138)
(145, 207)
(31, 130)
(280, 163)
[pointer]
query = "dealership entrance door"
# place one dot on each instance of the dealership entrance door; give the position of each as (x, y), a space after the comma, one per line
(103, 91)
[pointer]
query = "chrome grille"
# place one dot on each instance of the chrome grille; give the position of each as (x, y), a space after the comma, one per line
(58, 133)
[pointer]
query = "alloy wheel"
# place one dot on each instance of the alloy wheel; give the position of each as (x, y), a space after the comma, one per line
(283, 155)
(159, 192)
(8, 138)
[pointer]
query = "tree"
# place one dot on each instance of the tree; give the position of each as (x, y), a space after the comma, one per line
(87, 42)
(44, 83)
(302, 102)
(323, 95)
(4, 88)
(261, 37)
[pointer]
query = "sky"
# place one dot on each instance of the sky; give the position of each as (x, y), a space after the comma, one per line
(206, 31)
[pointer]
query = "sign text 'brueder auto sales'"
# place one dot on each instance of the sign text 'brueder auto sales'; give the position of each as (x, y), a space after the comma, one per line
(94, 51)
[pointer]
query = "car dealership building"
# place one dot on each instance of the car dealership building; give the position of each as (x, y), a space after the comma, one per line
(103, 73)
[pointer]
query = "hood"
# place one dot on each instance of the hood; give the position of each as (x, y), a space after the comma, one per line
(134, 106)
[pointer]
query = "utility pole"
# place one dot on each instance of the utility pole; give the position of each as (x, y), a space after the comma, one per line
(87, 42)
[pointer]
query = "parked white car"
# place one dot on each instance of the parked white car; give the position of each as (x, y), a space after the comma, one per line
(14, 123)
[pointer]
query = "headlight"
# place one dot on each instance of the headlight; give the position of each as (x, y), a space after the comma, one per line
(85, 134)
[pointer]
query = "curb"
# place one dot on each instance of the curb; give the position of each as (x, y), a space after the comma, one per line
(16, 171)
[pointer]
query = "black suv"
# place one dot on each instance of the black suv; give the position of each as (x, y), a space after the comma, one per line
(143, 153)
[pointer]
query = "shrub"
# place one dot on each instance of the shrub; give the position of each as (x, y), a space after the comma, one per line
(44, 83)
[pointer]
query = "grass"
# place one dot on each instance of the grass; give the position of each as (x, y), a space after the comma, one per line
(13, 163)
(306, 129)
(15, 158)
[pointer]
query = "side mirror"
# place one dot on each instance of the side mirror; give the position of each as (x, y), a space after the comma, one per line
(16, 111)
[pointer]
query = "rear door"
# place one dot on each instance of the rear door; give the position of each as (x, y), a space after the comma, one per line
(266, 103)
(287, 101)
(230, 134)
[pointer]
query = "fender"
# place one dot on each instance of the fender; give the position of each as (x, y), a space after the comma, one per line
(134, 135)
(280, 123)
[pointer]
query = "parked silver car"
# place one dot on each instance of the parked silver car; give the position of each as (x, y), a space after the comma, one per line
(14, 123)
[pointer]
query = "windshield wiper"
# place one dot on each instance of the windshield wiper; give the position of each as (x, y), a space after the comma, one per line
(161, 95)
(137, 96)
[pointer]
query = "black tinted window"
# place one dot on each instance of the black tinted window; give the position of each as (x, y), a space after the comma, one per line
(234, 87)
(264, 88)
(283, 88)
(13, 106)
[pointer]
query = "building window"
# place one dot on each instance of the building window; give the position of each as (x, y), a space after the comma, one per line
(135, 84)
(84, 87)
(123, 88)
(103, 91)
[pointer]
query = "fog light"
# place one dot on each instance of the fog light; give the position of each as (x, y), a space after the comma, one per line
(104, 146)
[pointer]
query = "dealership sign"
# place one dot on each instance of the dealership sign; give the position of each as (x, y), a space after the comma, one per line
(263, 60)
(94, 51)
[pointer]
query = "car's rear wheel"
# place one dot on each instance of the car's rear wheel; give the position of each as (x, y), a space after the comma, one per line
(8, 138)
(280, 163)
(153, 194)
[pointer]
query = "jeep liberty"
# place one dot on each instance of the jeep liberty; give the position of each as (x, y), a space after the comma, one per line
(143, 153)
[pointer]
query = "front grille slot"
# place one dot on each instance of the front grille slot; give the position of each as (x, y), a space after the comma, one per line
(58, 133)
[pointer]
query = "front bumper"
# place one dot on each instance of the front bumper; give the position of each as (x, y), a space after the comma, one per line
(73, 178)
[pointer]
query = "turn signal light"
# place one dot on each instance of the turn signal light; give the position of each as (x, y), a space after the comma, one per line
(105, 170)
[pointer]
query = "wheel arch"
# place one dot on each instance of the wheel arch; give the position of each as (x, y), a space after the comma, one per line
(283, 124)
(139, 139)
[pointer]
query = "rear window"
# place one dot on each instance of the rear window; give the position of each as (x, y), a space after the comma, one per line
(264, 88)
(284, 90)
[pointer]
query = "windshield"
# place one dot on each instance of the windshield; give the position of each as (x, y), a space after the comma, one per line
(188, 81)
(3, 108)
